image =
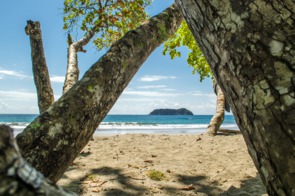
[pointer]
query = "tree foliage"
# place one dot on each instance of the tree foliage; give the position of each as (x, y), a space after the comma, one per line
(110, 19)
(196, 59)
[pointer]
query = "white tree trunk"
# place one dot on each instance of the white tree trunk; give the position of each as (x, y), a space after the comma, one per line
(72, 74)
(218, 117)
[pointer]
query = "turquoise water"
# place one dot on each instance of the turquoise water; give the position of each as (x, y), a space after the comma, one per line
(122, 124)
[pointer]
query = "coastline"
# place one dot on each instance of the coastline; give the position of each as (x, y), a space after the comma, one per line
(191, 164)
(136, 124)
(123, 129)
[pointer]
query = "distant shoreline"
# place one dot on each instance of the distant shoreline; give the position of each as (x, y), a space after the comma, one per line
(159, 131)
(136, 124)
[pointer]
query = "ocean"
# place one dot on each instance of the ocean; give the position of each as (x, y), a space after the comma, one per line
(124, 124)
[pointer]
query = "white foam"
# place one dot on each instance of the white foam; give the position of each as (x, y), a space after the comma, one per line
(134, 127)
(138, 126)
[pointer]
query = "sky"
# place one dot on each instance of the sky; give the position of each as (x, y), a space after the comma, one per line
(160, 82)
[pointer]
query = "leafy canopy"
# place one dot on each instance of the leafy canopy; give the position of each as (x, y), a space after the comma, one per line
(109, 19)
(196, 59)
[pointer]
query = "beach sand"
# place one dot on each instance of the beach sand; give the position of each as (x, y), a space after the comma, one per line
(191, 165)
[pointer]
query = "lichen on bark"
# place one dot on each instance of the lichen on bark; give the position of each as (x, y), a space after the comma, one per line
(17, 177)
(252, 57)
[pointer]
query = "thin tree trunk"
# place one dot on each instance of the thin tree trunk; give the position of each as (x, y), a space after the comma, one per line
(250, 46)
(72, 74)
(17, 177)
(40, 70)
(218, 117)
(54, 139)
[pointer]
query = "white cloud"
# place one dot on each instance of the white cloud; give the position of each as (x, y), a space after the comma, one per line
(18, 95)
(165, 104)
(140, 99)
(151, 87)
(169, 89)
(148, 78)
(200, 94)
(56, 97)
(150, 93)
(57, 79)
(10, 73)
(3, 105)
(155, 87)
(144, 105)
(18, 101)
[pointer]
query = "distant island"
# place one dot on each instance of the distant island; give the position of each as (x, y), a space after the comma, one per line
(181, 111)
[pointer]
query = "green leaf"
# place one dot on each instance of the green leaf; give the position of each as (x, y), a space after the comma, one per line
(110, 21)
(184, 38)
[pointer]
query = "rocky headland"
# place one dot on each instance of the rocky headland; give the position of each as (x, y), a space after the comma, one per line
(181, 111)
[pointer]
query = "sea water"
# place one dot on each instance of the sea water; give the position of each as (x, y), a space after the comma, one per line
(148, 124)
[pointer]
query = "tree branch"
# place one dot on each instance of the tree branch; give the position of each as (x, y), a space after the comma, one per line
(72, 74)
(40, 70)
(218, 117)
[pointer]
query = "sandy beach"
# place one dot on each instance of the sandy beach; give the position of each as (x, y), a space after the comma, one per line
(181, 164)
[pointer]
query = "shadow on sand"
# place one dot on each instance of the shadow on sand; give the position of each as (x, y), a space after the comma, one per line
(123, 185)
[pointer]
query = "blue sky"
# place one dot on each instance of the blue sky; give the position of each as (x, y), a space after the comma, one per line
(160, 83)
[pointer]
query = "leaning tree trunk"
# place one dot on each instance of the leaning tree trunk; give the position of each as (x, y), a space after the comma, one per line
(17, 177)
(54, 139)
(250, 46)
(40, 70)
(218, 117)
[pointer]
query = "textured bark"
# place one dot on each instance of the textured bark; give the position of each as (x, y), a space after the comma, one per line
(17, 177)
(250, 46)
(218, 117)
(40, 70)
(53, 140)
(72, 74)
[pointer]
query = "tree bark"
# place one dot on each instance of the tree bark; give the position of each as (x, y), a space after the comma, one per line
(40, 70)
(250, 46)
(72, 74)
(53, 140)
(218, 117)
(17, 177)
